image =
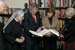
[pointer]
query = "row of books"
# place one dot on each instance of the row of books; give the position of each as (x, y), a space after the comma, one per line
(54, 3)
(59, 13)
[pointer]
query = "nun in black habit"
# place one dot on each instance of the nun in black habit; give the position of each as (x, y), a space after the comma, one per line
(13, 32)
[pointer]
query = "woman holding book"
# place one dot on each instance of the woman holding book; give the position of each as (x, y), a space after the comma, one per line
(50, 22)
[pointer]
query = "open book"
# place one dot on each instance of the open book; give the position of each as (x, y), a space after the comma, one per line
(44, 32)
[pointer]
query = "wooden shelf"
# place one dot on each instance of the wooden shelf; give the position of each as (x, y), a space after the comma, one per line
(56, 8)
(5, 15)
(61, 7)
(63, 18)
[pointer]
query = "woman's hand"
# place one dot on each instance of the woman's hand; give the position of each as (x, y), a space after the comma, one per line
(40, 28)
(49, 34)
(20, 40)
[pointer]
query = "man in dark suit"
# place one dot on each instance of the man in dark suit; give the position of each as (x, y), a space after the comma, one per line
(32, 21)
(2, 8)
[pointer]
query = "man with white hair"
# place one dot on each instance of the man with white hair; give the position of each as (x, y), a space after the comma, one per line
(69, 30)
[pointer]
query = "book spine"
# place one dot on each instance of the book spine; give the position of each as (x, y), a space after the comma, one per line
(49, 3)
(64, 2)
(57, 3)
(67, 3)
(70, 3)
(62, 12)
(46, 1)
(53, 3)
(42, 5)
(57, 13)
(61, 3)
(37, 2)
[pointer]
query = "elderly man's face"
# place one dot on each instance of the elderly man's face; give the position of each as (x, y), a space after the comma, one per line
(2, 7)
(20, 18)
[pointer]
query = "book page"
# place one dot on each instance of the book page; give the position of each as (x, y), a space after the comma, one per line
(54, 32)
(44, 32)
(41, 33)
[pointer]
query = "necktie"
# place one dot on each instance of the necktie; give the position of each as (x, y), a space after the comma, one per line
(34, 17)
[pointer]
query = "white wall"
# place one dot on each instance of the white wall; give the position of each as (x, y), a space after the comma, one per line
(16, 3)
(0, 19)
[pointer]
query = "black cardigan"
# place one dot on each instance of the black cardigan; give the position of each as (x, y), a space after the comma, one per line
(69, 31)
(13, 31)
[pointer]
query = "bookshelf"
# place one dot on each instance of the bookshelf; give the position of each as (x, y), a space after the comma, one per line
(59, 5)
(45, 4)
(55, 8)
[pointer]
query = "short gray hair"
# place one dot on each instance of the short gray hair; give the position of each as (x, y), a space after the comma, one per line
(14, 15)
(70, 12)
(19, 13)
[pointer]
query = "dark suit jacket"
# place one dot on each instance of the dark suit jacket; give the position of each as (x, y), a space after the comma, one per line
(29, 23)
(13, 31)
(1, 37)
(1, 26)
(69, 31)
(31, 43)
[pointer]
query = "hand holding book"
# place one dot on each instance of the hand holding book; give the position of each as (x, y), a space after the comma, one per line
(20, 40)
(49, 34)
(44, 32)
(40, 28)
